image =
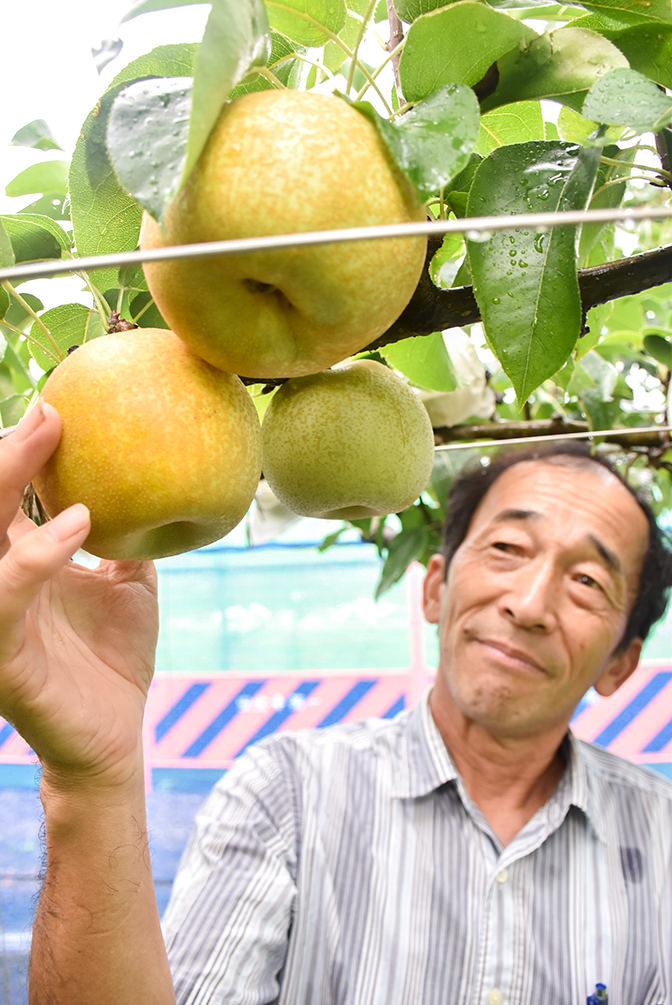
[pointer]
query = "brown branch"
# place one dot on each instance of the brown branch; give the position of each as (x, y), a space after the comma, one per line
(396, 38)
(432, 309)
(548, 427)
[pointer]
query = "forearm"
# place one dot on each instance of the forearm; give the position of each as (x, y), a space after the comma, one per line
(97, 938)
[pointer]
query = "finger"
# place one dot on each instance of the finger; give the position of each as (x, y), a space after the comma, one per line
(36, 557)
(23, 453)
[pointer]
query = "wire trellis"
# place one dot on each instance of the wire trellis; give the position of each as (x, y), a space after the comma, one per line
(475, 228)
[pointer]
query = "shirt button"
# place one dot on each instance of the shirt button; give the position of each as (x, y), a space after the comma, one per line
(494, 997)
(501, 878)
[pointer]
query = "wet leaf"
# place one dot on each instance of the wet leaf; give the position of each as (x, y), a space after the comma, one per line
(434, 140)
(106, 219)
(525, 283)
(236, 38)
(456, 44)
(147, 139)
(625, 97)
(561, 65)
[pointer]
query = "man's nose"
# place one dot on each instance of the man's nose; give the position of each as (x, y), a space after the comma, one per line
(532, 597)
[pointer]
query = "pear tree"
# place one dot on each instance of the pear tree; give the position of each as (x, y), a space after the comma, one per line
(557, 115)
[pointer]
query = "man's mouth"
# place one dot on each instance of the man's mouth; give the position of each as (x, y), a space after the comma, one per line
(511, 655)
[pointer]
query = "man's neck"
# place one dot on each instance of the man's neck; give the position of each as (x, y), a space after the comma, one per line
(509, 778)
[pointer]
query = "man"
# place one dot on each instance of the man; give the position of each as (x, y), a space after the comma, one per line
(470, 850)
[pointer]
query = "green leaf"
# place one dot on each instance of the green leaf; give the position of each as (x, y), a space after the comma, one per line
(48, 177)
(282, 62)
(37, 135)
(147, 139)
(149, 6)
(660, 348)
(157, 128)
(514, 123)
(105, 218)
(35, 237)
(4, 306)
(647, 48)
(456, 44)
(236, 38)
(7, 256)
(308, 22)
(525, 283)
(652, 10)
(434, 140)
(562, 65)
(403, 549)
(69, 325)
(424, 360)
(625, 97)
(409, 10)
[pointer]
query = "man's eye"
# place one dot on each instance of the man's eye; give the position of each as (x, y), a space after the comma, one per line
(503, 545)
(587, 580)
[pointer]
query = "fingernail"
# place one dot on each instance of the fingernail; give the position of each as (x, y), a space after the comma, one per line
(70, 522)
(30, 422)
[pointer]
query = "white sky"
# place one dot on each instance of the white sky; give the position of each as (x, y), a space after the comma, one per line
(47, 71)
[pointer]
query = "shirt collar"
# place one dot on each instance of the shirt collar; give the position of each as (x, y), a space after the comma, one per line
(425, 765)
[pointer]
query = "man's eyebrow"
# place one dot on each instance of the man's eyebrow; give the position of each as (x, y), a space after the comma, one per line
(608, 556)
(611, 560)
(517, 514)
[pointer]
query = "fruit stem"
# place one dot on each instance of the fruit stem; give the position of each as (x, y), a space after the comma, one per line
(101, 304)
(31, 313)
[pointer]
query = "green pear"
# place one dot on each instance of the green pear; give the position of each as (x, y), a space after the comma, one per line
(163, 448)
(278, 162)
(352, 442)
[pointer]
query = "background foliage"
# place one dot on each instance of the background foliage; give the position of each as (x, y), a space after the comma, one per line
(492, 109)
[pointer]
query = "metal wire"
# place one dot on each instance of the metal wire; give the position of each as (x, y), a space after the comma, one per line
(587, 434)
(471, 227)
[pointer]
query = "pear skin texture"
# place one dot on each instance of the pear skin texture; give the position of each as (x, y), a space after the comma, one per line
(164, 449)
(279, 162)
(349, 443)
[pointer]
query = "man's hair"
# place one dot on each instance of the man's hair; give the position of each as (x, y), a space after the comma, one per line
(470, 487)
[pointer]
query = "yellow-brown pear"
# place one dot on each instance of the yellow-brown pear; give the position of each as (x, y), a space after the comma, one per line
(281, 162)
(163, 448)
(352, 442)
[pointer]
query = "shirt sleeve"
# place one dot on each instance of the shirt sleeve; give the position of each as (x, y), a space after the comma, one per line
(228, 921)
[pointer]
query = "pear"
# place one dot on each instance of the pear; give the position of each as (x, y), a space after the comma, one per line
(348, 443)
(278, 162)
(163, 448)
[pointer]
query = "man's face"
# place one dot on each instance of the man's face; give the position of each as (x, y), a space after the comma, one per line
(537, 598)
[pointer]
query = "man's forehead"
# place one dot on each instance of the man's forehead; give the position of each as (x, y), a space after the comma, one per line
(585, 494)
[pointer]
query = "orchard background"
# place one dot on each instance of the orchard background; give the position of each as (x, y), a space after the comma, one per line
(492, 109)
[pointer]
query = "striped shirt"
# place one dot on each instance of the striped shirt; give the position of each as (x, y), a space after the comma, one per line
(348, 865)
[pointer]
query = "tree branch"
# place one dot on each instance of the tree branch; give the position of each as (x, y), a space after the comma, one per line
(549, 427)
(431, 309)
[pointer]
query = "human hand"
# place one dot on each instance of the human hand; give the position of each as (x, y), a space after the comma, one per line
(76, 644)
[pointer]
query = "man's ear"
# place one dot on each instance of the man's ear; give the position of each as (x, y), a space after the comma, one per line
(432, 589)
(621, 665)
